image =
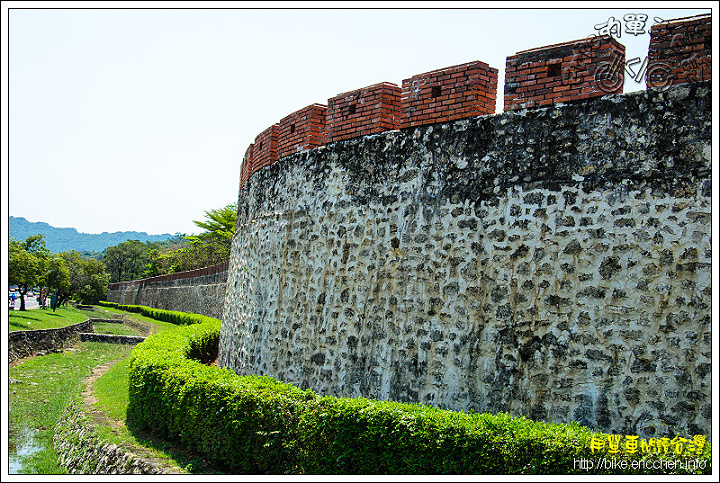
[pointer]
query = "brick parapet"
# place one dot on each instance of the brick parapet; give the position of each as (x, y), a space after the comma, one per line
(680, 51)
(246, 168)
(301, 130)
(449, 94)
(369, 110)
(200, 272)
(265, 148)
(564, 72)
(559, 73)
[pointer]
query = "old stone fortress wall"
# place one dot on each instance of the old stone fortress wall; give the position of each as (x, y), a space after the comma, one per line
(200, 291)
(551, 261)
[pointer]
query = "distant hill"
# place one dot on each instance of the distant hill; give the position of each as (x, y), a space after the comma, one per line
(64, 239)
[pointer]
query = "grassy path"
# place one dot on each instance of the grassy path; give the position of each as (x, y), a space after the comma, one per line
(39, 390)
(93, 374)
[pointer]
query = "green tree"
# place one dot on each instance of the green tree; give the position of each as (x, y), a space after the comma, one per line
(208, 248)
(93, 282)
(56, 277)
(88, 279)
(26, 264)
(219, 222)
(128, 260)
(75, 263)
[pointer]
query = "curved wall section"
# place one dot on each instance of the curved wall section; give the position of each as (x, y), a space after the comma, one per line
(552, 263)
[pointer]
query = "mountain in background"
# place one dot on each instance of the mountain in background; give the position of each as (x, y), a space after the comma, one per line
(64, 239)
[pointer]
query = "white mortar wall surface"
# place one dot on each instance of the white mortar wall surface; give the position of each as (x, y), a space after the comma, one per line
(554, 264)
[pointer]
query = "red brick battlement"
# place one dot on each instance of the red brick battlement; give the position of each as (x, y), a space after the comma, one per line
(301, 130)
(564, 72)
(448, 94)
(680, 51)
(361, 112)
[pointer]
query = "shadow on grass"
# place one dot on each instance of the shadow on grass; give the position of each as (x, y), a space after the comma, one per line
(14, 326)
(192, 461)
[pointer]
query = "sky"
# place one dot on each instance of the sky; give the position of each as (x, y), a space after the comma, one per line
(121, 118)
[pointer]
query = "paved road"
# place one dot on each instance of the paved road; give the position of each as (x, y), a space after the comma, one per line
(30, 303)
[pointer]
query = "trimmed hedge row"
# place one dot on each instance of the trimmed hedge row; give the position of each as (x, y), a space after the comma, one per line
(172, 316)
(256, 424)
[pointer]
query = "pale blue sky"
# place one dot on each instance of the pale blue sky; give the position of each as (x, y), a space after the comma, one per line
(126, 119)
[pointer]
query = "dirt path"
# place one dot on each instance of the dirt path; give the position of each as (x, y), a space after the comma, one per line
(100, 418)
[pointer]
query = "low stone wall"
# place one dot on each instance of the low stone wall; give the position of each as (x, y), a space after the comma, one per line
(81, 452)
(110, 321)
(26, 343)
(111, 338)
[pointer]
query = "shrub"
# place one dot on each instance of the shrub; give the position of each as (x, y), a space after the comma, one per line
(255, 424)
(172, 316)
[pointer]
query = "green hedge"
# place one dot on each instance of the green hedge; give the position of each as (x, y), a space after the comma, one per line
(172, 316)
(254, 424)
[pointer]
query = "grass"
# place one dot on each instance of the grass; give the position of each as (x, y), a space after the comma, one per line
(39, 391)
(111, 391)
(41, 388)
(155, 325)
(35, 319)
(114, 329)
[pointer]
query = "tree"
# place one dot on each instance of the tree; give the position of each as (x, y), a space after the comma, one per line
(208, 248)
(127, 260)
(26, 264)
(219, 222)
(74, 263)
(88, 279)
(56, 277)
(93, 282)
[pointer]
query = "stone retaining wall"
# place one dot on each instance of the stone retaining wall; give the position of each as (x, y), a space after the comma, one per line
(81, 452)
(111, 338)
(202, 293)
(26, 343)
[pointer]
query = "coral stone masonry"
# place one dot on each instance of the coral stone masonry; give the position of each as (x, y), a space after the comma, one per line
(564, 72)
(553, 263)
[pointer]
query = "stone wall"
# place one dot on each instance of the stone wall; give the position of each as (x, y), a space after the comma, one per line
(199, 291)
(553, 263)
(26, 343)
(81, 451)
(111, 338)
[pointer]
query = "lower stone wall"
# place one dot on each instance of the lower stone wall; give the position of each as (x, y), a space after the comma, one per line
(80, 450)
(26, 343)
(111, 338)
(200, 295)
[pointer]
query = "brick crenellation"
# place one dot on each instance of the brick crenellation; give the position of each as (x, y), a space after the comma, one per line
(578, 70)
